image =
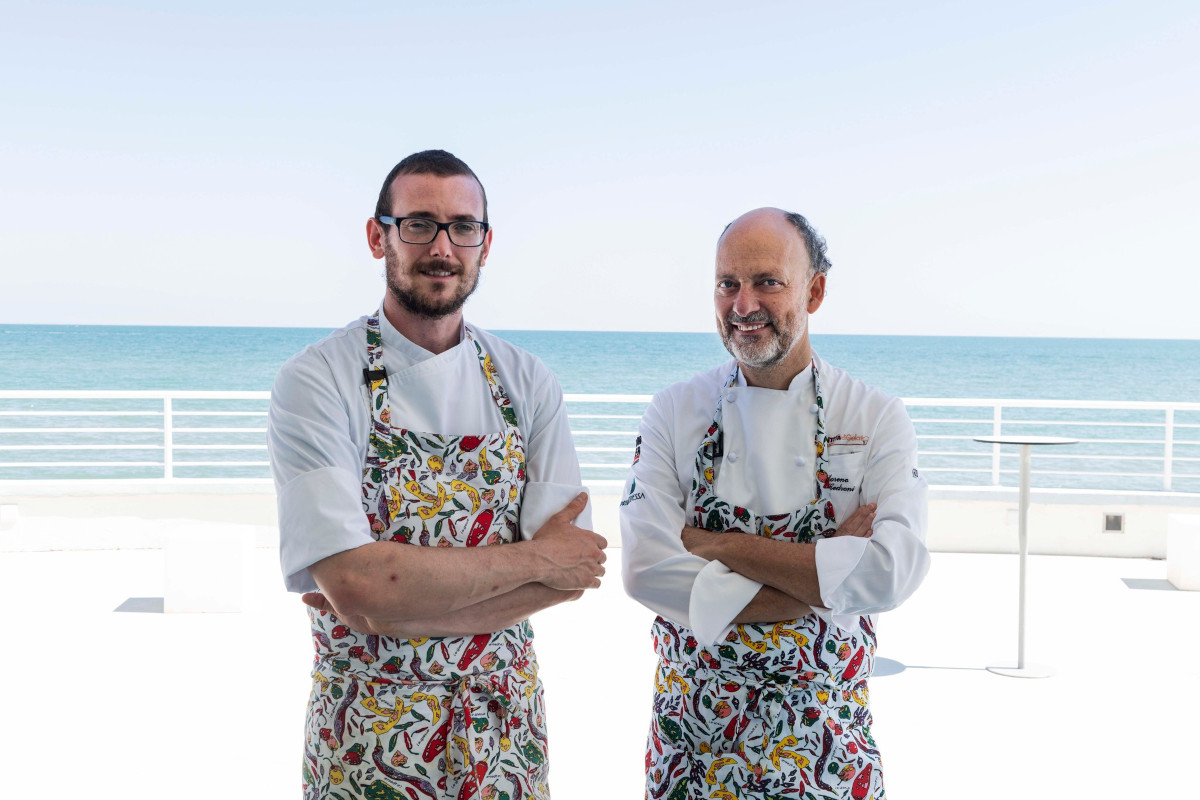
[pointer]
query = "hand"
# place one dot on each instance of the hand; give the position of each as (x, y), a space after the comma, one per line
(700, 542)
(574, 557)
(858, 523)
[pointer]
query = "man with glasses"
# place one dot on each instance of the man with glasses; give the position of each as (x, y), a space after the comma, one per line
(774, 506)
(428, 495)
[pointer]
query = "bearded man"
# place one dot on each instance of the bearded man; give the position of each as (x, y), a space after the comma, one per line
(773, 508)
(428, 492)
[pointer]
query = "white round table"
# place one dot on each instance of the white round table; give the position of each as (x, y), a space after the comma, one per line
(1022, 669)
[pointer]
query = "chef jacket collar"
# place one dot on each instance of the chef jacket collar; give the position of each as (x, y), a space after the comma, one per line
(397, 342)
(802, 380)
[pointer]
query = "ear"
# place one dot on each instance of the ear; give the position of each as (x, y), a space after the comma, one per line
(375, 232)
(816, 292)
(486, 246)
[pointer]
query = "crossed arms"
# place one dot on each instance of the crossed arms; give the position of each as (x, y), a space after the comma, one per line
(787, 570)
(402, 590)
(707, 580)
(317, 437)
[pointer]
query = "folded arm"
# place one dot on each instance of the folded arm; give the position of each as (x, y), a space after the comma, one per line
(387, 584)
(497, 613)
(659, 571)
(772, 605)
(326, 541)
(859, 572)
(877, 574)
(788, 567)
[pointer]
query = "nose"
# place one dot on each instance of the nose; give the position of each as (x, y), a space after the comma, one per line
(745, 302)
(441, 246)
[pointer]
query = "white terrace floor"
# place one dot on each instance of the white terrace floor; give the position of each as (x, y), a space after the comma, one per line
(100, 702)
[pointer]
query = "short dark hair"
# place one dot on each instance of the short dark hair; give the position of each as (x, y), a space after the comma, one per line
(814, 241)
(427, 162)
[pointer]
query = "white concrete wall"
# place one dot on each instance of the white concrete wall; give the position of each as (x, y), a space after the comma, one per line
(1061, 522)
(964, 520)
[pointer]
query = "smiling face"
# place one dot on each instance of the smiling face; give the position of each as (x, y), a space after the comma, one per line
(765, 290)
(431, 281)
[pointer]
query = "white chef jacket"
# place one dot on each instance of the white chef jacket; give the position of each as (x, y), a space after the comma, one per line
(768, 468)
(320, 420)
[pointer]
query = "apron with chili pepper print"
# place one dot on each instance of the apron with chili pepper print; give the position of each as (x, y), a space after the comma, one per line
(776, 709)
(442, 717)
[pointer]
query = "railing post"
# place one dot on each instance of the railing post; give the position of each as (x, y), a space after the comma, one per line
(995, 447)
(1169, 449)
(168, 440)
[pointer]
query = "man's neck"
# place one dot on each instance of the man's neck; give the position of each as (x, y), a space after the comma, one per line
(435, 335)
(780, 374)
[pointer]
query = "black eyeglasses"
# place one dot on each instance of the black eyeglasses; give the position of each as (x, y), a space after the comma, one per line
(418, 230)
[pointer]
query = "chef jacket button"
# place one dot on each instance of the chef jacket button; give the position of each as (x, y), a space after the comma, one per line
(732, 457)
(812, 409)
(799, 461)
(730, 396)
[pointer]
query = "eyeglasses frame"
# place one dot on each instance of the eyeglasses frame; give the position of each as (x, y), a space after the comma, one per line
(441, 226)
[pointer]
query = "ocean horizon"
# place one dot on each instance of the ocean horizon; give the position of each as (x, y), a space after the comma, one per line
(245, 358)
(1125, 445)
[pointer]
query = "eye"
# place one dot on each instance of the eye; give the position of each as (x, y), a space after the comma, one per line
(725, 284)
(465, 228)
(417, 225)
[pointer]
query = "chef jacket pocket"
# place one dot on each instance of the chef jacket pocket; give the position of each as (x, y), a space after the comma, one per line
(845, 469)
(844, 474)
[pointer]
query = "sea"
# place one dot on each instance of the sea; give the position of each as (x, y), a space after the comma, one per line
(118, 357)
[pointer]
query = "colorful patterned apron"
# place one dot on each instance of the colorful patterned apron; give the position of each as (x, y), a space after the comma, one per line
(775, 710)
(442, 717)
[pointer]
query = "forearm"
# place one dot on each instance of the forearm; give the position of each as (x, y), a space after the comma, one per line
(790, 567)
(494, 614)
(771, 605)
(398, 582)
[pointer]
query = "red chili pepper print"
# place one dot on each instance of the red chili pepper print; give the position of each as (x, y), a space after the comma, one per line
(383, 710)
(480, 528)
(794, 721)
(853, 666)
(474, 648)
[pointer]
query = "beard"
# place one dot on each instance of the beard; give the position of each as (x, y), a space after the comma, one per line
(771, 347)
(425, 304)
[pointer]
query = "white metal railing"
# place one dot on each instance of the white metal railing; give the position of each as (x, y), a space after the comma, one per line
(177, 435)
(181, 423)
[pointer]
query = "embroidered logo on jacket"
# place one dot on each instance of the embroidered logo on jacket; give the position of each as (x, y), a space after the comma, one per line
(858, 439)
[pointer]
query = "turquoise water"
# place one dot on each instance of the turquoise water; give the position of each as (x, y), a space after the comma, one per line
(49, 357)
(212, 358)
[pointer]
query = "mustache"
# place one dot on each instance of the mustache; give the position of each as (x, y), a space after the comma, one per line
(757, 316)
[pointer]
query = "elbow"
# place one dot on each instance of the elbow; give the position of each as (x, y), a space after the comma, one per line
(634, 580)
(898, 583)
(889, 583)
(345, 590)
(353, 581)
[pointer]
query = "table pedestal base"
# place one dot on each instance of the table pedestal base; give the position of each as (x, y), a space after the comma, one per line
(1027, 671)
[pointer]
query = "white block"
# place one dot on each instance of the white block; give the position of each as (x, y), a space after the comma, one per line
(1183, 551)
(208, 568)
(8, 516)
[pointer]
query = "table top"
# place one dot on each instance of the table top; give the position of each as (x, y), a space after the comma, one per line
(1025, 440)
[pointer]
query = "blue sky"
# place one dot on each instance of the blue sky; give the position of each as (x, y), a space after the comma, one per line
(978, 169)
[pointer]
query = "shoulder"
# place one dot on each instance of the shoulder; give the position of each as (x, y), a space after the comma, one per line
(701, 386)
(342, 348)
(842, 387)
(853, 403)
(521, 372)
(696, 395)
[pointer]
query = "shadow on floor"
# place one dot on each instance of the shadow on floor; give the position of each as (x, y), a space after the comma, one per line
(142, 605)
(1158, 584)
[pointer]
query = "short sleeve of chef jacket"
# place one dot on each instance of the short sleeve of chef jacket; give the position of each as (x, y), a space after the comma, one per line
(319, 421)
